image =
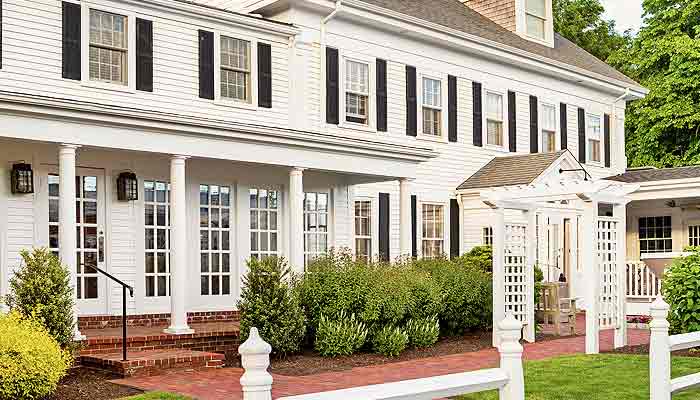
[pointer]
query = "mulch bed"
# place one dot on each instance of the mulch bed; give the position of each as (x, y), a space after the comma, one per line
(644, 350)
(89, 384)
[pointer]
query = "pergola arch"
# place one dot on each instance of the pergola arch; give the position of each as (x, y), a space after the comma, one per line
(602, 250)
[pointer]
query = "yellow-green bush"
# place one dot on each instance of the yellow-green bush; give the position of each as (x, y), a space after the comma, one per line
(31, 361)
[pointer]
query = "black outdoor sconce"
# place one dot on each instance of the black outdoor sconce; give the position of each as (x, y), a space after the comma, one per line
(22, 179)
(127, 187)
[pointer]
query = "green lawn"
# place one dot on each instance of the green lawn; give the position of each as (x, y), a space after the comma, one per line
(603, 377)
(157, 396)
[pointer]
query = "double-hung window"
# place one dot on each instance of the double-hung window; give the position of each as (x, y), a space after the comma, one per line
(494, 119)
(593, 132)
(694, 235)
(109, 46)
(655, 235)
(549, 128)
(433, 230)
(536, 18)
(357, 92)
(235, 69)
(487, 236)
(215, 240)
(432, 107)
(264, 223)
(363, 230)
(315, 225)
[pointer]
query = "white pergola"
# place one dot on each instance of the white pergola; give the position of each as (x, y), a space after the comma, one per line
(602, 250)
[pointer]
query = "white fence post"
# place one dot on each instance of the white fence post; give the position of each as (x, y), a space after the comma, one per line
(255, 358)
(512, 358)
(659, 352)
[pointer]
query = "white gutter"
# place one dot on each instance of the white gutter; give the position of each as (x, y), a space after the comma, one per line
(322, 68)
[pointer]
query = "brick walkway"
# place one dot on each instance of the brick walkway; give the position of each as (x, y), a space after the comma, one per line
(224, 383)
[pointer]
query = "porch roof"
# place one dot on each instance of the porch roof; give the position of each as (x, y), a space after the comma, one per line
(511, 170)
(653, 174)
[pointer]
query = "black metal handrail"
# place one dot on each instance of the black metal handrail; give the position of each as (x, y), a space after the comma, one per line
(124, 288)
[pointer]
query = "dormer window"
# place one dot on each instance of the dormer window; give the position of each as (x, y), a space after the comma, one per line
(536, 18)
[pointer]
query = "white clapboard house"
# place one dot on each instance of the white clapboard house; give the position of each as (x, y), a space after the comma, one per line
(168, 141)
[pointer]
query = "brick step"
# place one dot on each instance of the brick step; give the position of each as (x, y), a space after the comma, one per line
(208, 337)
(153, 362)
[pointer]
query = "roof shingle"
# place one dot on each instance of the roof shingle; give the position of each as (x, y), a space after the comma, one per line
(511, 170)
(652, 175)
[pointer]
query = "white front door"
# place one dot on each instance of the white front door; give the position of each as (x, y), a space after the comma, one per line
(91, 286)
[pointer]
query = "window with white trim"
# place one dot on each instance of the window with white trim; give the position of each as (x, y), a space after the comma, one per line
(235, 67)
(536, 18)
(215, 240)
(655, 235)
(357, 92)
(549, 128)
(593, 132)
(694, 235)
(433, 230)
(494, 119)
(109, 46)
(315, 225)
(157, 229)
(363, 230)
(264, 223)
(487, 236)
(432, 107)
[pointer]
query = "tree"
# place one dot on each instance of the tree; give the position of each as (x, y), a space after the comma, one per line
(581, 21)
(663, 128)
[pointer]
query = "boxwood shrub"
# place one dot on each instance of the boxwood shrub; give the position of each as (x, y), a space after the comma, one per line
(681, 289)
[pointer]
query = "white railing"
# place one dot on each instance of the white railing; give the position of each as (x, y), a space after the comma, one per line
(642, 282)
(508, 379)
(660, 347)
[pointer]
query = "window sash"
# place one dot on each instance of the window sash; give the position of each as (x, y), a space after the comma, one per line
(594, 150)
(357, 77)
(356, 106)
(487, 236)
(655, 234)
(536, 8)
(108, 47)
(593, 126)
(432, 121)
(549, 141)
(694, 235)
(494, 106)
(235, 54)
(432, 93)
(494, 132)
(536, 26)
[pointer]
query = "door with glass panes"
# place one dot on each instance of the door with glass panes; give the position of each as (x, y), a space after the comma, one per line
(90, 236)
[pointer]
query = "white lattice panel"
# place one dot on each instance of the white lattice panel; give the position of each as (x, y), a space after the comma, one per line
(607, 242)
(515, 272)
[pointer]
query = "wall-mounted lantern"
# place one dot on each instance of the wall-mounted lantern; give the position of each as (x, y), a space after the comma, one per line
(22, 179)
(127, 187)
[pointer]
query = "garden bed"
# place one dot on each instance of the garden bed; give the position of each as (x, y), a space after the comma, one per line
(89, 384)
(644, 350)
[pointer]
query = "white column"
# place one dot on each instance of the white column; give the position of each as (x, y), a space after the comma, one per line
(499, 307)
(620, 212)
(589, 259)
(67, 216)
(659, 352)
(405, 217)
(178, 247)
(531, 248)
(296, 219)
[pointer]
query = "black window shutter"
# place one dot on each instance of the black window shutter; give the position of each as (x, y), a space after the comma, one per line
(384, 226)
(452, 108)
(411, 102)
(534, 125)
(581, 135)
(414, 226)
(332, 86)
(264, 75)
(382, 94)
(71, 41)
(144, 55)
(512, 123)
(206, 64)
(478, 112)
(563, 126)
(454, 228)
(606, 139)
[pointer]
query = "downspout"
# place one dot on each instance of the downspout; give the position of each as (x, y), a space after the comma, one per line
(322, 40)
(613, 121)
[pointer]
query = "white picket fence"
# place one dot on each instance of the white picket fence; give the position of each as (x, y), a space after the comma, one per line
(643, 286)
(508, 379)
(660, 347)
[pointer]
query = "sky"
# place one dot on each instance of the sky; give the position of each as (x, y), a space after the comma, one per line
(626, 13)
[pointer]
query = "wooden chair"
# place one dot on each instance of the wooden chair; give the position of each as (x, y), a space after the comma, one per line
(556, 308)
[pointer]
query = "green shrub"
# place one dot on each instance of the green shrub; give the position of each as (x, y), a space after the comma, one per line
(389, 341)
(480, 257)
(341, 337)
(681, 289)
(270, 302)
(42, 288)
(31, 360)
(423, 332)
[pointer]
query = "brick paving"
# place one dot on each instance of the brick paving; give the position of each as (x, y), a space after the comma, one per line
(154, 362)
(223, 384)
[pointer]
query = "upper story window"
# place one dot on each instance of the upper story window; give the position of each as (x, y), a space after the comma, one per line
(593, 129)
(494, 119)
(432, 107)
(536, 18)
(357, 92)
(549, 128)
(235, 69)
(108, 47)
